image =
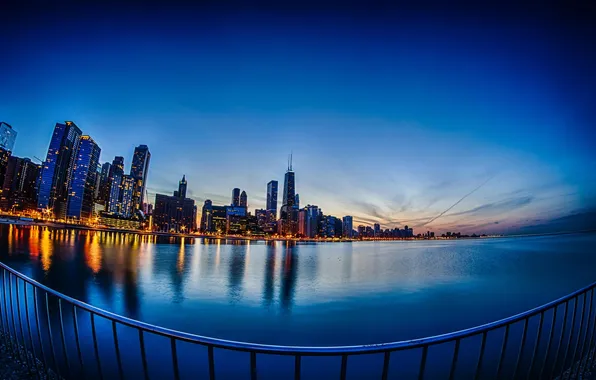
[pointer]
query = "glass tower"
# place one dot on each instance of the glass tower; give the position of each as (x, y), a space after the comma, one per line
(236, 197)
(288, 214)
(116, 174)
(82, 184)
(57, 168)
(138, 171)
(272, 197)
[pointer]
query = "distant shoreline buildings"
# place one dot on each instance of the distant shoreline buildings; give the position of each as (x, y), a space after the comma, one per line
(72, 185)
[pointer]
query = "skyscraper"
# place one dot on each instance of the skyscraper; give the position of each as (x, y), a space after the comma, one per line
(138, 171)
(182, 187)
(312, 221)
(236, 197)
(272, 197)
(104, 183)
(243, 199)
(7, 139)
(174, 213)
(125, 200)
(116, 173)
(347, 227)
(377, 228)
(19, 190)
(82, 184)
(57, 168)
(206, 216)
(297, 201)
(287, 213)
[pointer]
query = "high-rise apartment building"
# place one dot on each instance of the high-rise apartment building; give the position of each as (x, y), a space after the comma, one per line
(19, 189)
(104, 183)
(138, 171)
(81, 188)
(126, 197)
(7, 138)
(116, 174)
(57, 168)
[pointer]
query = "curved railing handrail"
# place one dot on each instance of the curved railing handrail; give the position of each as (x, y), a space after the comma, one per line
(305, 350)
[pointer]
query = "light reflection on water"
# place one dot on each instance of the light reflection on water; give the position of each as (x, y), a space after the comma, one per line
(308, 293)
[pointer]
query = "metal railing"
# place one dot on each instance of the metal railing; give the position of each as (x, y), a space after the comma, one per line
(48, 332)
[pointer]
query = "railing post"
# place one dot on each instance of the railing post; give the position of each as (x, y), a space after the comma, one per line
(143, 354)
(481, 356)
(386, 358)
(253, 365)
(56, 364)
(9, 333)
(589, 335)
(523, 345)
(536, 345)
(551, 334)
(95, 345)
(36, 311)
(174, 358)
(211, 362)
(77, 340)
(29, 329)
(297, 366)
(423, 363)
(566, 352)
(556, 357)
(579, 335)
(63, 336)
(344, 366)
(117, 349)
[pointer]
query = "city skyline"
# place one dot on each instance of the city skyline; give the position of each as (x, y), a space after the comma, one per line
(393, 134)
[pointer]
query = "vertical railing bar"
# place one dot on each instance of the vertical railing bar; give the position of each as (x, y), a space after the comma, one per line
(34, 355)
(297, 365)
(10, 340)
(579, 335)
(536, 345)
(253, 365)
(503, 349)
(566, 352)
(589, 361)
(589, 332)
(62, 335)
(551, 335)
(454, 360)
(50, 334)
(386, 358)
(521, 348)
(36, 310)
(344, 366)
(211, 362)
(556, 357)
(95, 347)
(481, 356)
(423, 363)
(2, 312)
(117, 348)
(18, 299)
(14, 325)
(77, 339)
(174, 358)
(143, 354)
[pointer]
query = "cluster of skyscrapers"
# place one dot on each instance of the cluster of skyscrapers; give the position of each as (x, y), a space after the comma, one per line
(71, 184)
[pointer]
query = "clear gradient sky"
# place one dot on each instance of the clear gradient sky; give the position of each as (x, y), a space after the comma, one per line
(393, 116)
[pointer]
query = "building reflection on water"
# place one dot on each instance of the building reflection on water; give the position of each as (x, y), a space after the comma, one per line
(124, 272)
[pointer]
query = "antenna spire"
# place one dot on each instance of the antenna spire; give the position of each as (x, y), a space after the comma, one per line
(291, 153)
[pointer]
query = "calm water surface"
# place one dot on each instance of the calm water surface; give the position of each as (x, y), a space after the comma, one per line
(307, 293)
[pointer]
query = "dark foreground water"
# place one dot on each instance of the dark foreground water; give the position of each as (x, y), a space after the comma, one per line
(315, 294)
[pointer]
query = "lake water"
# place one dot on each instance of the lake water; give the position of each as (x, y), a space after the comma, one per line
(305, 293)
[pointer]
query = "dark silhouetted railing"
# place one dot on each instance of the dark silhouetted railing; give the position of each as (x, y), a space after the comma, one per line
(56, 336)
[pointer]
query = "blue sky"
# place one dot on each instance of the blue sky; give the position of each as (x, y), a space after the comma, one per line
(392, 117)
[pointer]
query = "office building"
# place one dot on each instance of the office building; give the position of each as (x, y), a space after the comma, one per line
(312, 221)
(174, 213)
(236, 197)
(377, 229)
(81, 189)
(297, 201)
(302, 222)
(7, 139)
(243, 199)
(361, 231)
(116, 174)
(57, 169)
(138, 171)
(104, 184)
(206, 216)
(272, 197)
(19, 189)
(348, 227)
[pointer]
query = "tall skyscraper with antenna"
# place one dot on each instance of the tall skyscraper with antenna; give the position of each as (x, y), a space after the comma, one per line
(288, 214)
